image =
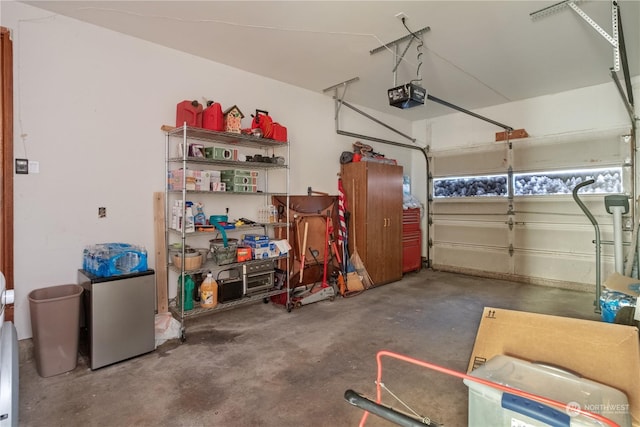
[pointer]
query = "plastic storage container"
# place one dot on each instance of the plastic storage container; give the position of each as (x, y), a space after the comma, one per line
(55, 324)
(224, 253)
(489, 406)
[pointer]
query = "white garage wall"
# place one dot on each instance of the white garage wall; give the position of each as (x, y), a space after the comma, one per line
(89, 104)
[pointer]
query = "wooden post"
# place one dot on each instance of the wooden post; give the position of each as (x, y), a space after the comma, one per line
(160, 252)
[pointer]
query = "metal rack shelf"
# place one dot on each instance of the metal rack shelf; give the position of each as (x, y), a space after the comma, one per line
(237, 228)
(185, 134)
(204, 269)
(235, 193)
(236, 163)
(237, 139)
(196, 311)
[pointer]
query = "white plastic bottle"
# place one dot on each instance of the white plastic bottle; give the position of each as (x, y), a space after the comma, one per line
(273, 214)
(189, 226)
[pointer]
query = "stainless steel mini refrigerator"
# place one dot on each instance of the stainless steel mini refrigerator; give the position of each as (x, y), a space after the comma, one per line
(119, 316)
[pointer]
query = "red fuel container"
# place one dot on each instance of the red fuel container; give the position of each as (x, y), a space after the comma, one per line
(190, 112)
(279, 132)
(212, 117)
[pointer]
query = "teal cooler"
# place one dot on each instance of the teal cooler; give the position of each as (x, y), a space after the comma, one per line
(489, 406)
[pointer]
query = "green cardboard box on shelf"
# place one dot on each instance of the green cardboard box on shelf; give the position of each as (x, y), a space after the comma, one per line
(603, 352)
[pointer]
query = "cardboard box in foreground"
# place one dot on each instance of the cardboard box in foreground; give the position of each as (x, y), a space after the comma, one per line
(603, 352)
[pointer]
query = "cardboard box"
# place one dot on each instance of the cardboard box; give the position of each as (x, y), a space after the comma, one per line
(196, 150)
(256, 245)
(241, 188)
(203, 181)
(261, 253)
(231, 173)
(241, 180)
(626, 285)
(218, 186)
(279, 247)
(225, 153)
(175, 179)
(214, 176)
(602, 352)
(256, 238)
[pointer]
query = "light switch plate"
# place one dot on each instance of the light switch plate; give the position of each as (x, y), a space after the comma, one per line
(34, 166)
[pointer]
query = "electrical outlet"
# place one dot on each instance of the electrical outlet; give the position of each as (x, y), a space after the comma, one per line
(401, 16)
(102, 212)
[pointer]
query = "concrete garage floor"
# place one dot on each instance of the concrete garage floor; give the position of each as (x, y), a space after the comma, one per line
(258, 365)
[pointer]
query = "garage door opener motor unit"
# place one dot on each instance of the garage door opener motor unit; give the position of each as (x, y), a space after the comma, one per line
(407, 95)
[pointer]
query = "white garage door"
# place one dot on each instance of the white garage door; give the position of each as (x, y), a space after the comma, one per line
(509, 213)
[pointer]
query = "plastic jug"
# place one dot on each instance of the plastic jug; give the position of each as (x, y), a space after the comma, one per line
(190, 112)
(189, 286)
(209, 292)
(212, 117)
(199, 218)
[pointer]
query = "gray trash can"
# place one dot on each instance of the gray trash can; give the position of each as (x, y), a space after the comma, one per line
(55, 325)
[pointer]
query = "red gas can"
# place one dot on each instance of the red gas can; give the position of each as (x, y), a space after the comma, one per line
(279, 132)
(190, 112)
(263, 120)
(212, 117)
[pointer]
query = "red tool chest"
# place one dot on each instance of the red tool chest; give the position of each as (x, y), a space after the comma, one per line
(411, 240)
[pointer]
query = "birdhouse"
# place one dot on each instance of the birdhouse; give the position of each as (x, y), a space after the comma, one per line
(233, 120)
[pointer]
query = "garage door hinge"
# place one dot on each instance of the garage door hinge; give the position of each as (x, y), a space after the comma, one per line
(510, 223)
(430, 243)
(510, 250)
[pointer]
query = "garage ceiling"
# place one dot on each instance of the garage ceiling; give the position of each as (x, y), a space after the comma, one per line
(475, 54)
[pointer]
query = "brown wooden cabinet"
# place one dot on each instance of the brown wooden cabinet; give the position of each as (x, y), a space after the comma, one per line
(374, 198)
